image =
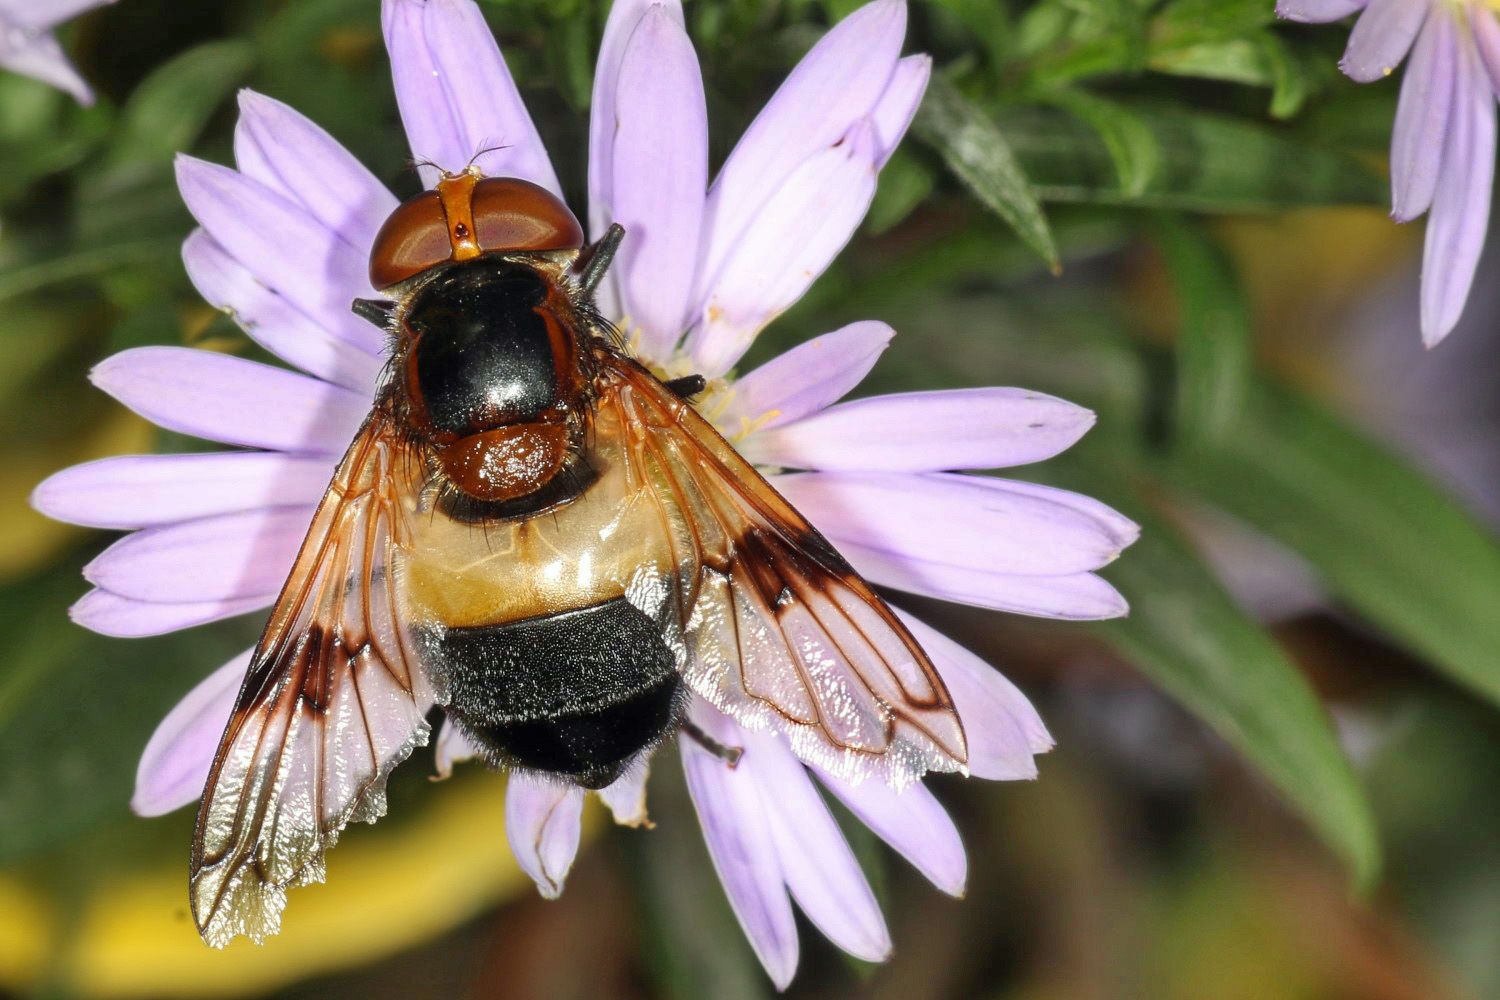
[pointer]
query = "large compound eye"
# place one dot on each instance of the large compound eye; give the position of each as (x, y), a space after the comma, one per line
(512, 214)
(414, 238)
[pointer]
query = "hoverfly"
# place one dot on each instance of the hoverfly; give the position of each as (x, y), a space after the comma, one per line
(534, 534)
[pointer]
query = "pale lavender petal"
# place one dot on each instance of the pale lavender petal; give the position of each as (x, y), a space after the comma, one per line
(913, 822)
(1381, 37)
(1422, 118)
(797, 234)
(660, 174)
(543, 820)
(272, 320)
(139, 491)
(1075, 597)
(456, 95)
(286, 151)
(451, 747)
(48, 13)
(1318, 11)
(1003, 729)
(232, 400)
(925, 432)
(127, 618)
(739, 838)
(624, 17)
(898, 105)
(284, 245)
(957, 520)
(38, 55)
(626, 796)
(807, 378)
(212, 558)
(175, 765)
(1121, 529)
(1487, 36)
(1461, 209)
(816, 863)
(835, 85)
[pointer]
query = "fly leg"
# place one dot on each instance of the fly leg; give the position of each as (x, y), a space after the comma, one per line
(729, 755)
(595, 260)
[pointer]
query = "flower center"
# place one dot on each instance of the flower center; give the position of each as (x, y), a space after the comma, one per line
(711, 402)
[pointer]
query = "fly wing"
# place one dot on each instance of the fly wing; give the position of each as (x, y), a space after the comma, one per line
(333, 700)
(777, 629)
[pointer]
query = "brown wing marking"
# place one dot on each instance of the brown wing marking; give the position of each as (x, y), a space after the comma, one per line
(777, 629)
(333, 700)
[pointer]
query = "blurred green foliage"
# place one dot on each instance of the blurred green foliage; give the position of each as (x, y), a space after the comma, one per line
(1057, 134)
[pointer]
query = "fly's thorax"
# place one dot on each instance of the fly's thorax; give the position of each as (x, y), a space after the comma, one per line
(493, 371)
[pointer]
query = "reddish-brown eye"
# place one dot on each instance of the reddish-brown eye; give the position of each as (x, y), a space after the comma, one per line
(512, 214)
(414, 238)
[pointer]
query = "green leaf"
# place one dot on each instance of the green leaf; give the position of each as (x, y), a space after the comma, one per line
(1288, 76)
(43, 130)
(1193, 21)
(170, 108)
(1259, 59)
(1187, 635)
(87, 262)
(1043, 27)
(1214, 351)
(1208, 163)
(1385, 539)
(976, 150)
(1130, 142)
(1238, 60)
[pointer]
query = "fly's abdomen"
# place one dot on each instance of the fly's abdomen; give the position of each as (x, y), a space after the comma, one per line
(578, 694)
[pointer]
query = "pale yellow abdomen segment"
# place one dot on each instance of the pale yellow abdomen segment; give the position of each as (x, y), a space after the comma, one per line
(614, 540)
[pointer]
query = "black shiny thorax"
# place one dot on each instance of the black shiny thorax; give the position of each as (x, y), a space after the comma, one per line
(483, 350)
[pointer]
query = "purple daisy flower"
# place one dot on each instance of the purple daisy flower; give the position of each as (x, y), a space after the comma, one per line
(283, 247)
(1443, 142)
(28, 46)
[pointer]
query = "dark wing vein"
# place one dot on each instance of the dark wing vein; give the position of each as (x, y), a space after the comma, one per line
(333, 700)
(779, 630)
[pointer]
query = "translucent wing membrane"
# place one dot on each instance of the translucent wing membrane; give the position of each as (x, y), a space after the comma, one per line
(333, 700)
(776, 629)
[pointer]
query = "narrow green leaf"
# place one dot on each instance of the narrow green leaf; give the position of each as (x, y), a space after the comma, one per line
(84, 263)
(1385, 539)
(1213, 335)
(1043, 27)
(172, 105)
(1237, 60)
(1131, 144)
(1289, 77)
(1187, 635)
(1208, 162)
(43, 130)
(1191, 21)
(976, 150)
